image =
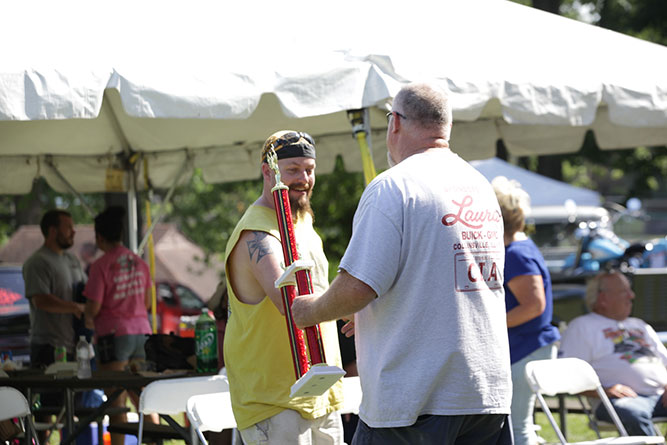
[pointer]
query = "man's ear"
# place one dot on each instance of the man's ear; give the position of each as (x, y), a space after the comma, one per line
(396, 124)
(267, 172)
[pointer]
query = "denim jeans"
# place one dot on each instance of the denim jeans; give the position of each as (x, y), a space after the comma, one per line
(635, 413)
(523, 398)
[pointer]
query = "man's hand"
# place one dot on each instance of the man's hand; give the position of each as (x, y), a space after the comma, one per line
(78, 309)
(302, 310)
(348, 328)
(346, 295)
(620, 391)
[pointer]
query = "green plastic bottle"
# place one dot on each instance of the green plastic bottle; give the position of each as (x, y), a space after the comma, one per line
(206, 343)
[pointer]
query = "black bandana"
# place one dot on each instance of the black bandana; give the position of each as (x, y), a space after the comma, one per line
(290, 144)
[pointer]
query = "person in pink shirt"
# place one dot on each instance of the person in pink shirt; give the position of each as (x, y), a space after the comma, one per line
(118, 294)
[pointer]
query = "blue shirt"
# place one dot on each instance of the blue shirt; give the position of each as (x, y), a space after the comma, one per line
(524, 258)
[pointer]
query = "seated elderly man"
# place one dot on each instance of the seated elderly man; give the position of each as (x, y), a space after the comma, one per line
(625, 352)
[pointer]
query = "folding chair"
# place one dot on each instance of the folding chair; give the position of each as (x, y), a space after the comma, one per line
(167, 397)
(210, 412)
(213, 412)
(573, 376)
(14, 404)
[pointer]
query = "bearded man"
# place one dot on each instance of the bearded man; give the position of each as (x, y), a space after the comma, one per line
(256, 346)
(52, 275)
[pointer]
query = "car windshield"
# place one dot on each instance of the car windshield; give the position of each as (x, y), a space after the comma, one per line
(189, 299)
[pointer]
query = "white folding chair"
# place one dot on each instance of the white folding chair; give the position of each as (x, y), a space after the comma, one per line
(210, 412)
(14, 404)
(167, 397)
(574, 376)
(213, 412)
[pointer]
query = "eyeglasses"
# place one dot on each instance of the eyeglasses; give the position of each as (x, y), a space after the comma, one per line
(402, 116)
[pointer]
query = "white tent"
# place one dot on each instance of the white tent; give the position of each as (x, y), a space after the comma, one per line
(84, 85)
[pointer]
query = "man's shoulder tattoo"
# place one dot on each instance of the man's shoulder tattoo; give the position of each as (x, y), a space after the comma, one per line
(259, 245)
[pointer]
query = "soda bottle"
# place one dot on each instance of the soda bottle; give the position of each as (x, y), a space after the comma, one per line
(206, 343)
(60, 354)
(83, 358)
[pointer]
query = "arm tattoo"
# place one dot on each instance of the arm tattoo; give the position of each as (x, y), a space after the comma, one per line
(260, 245)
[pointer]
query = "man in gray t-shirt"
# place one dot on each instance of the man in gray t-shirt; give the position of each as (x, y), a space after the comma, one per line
(51, 277)
(423, 276)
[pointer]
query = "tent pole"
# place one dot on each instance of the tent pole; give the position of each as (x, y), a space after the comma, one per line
(360, 121)
(132, 209)
(151, 247)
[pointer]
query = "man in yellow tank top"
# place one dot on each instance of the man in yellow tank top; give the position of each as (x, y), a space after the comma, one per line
(256, 347)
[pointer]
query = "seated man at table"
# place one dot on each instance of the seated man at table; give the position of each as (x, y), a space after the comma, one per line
(624, 351)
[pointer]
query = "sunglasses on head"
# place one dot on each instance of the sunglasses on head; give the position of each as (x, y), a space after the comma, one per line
(293, 137)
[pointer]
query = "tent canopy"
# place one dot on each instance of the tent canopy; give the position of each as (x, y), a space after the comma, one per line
(85, 85)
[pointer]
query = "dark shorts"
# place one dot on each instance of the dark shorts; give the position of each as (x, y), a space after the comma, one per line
(483, 429)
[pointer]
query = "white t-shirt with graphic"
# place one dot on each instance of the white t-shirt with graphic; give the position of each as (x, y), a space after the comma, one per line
(628, 352)
(428, 238)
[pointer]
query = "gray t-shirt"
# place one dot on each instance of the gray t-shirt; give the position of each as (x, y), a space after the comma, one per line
(428, 238)
(47, 272)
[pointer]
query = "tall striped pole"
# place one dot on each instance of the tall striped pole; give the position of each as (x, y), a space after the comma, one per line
(303, 279)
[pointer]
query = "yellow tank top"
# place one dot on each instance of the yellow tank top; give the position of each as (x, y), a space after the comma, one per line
(257, 352)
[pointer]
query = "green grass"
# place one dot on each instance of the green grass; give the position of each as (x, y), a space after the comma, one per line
(577, 428)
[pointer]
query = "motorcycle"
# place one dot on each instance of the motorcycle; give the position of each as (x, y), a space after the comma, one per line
(601, 249)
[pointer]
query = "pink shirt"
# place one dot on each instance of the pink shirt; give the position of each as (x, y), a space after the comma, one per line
(119, 281)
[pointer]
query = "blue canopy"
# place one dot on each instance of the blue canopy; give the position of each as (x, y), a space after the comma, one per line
(543, 191)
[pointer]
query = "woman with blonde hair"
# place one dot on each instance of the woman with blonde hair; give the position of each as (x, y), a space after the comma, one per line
(528, 301)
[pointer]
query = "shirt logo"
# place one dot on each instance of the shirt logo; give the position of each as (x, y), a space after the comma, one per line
(629, 343)
(477, 271)
(472, 218)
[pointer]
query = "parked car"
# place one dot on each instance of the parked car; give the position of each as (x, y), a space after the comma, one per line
(178, 308)
(14, 314)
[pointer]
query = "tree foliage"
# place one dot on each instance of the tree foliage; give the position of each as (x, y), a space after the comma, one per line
(621, 174)
(17, 210)
(208, 213)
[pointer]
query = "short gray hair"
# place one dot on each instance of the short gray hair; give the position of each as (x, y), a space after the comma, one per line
(427, 104)
(594, 286)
